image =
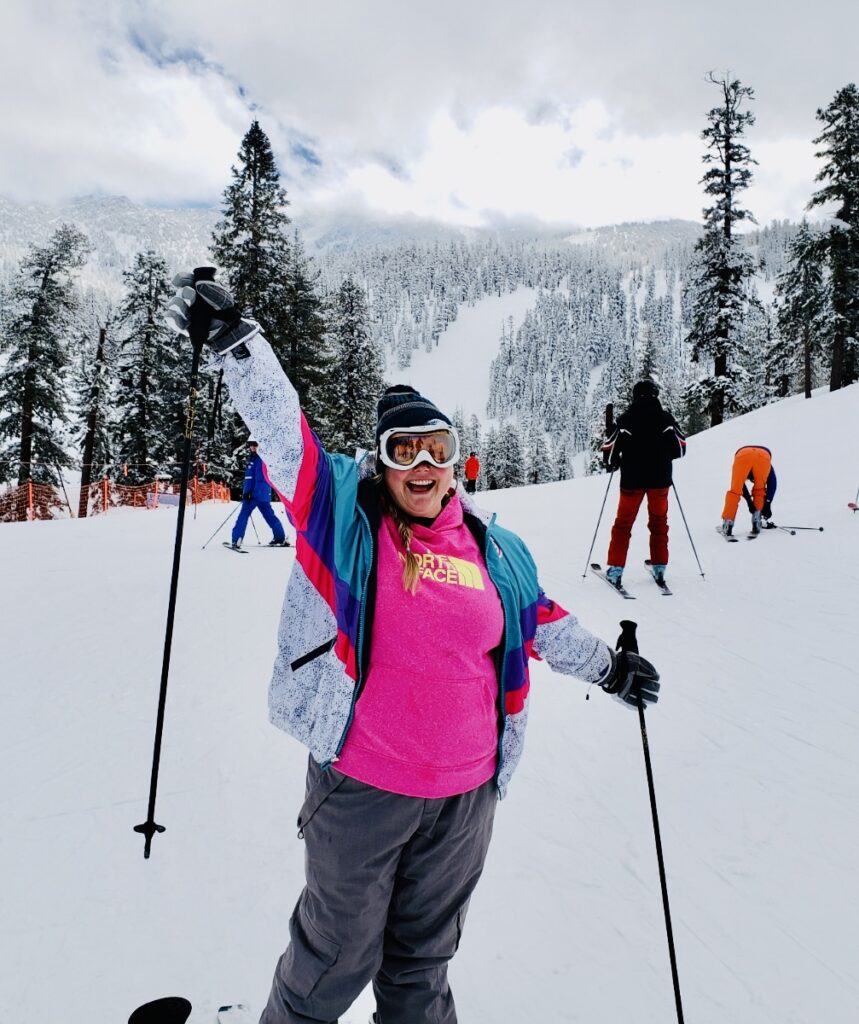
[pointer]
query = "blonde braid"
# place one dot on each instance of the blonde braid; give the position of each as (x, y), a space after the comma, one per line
(412, 568)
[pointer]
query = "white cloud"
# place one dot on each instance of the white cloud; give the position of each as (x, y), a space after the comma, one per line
(459, 111)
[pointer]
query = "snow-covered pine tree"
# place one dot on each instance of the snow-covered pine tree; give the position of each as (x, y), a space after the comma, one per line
(151, 381)
(752, 383)
(722, 267)
(356, 378)
(272, 281)
(33, 331)
(802, 308)
(491, 468)
(840, 152)
(509, 460)
(91, 385)
(538, 467)
(308, 357)
(559, 457)
(251, 242)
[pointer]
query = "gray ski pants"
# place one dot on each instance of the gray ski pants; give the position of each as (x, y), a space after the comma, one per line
(389, 878)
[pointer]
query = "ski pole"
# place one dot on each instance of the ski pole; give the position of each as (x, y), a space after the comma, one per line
(688, 531)
(786, 529)
(627, 642)
(223, 524)
(816, 529)
(198, 330)
(253, 524)
(599, 520)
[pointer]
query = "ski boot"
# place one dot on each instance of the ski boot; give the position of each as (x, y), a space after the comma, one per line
(756, 521)
(278, 543)
(614, 574)
(658, 572)
(728, 527)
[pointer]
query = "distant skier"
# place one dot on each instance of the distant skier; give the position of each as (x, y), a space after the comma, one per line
(472, 469)
(256, 493)
(753, 462)
(644, 442)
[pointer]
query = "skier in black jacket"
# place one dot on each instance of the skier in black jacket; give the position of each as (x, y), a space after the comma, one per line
(643, 445)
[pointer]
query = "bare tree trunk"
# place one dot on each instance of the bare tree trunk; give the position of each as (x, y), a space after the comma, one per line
(806, 354)
(92, 419)
(836, 376)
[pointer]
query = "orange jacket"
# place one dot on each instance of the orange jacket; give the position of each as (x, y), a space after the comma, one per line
(472, 467)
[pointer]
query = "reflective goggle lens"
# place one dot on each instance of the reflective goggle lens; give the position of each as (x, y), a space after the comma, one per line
(402, 449)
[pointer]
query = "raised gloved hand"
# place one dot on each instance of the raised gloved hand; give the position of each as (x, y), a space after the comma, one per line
(227, 330)
(630, 672)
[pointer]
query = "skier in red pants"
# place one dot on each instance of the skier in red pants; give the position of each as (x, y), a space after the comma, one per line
(645, 441)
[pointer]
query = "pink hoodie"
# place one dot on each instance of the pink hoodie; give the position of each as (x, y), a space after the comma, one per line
(426, 723)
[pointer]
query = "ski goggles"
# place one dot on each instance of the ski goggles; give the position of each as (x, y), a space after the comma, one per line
(402, 449)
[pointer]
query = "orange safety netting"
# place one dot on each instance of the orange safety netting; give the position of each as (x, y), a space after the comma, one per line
(106, 493)
(39, 501)
(29, 501)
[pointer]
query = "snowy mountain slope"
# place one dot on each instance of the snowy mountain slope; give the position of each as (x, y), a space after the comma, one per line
(455, 374)
(754, 748)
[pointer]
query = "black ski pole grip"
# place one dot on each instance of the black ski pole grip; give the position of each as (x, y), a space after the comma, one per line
(201, 312)
(627, 640)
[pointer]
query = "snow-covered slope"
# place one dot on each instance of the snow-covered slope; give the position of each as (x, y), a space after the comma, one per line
(754, 749)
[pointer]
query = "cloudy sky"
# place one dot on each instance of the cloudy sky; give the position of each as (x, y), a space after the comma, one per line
(464, 111)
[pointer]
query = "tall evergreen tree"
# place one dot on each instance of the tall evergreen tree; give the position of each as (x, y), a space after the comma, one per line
(271, 278)
(356, 379)
(802, 313)
(307, 357)
(33, 330)
(251, 243)
(840, 151)
(91, 385)
(151, 375)
(723, 268)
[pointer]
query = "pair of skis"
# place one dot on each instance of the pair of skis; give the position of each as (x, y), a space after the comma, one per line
(244, 551)
(176, 1010)
(598, 570)
(731, 539)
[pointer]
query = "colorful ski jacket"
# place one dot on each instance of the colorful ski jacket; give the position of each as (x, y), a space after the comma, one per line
(324, 634)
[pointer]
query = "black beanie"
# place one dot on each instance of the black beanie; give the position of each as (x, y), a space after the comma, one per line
(645, 389)
(403, 407)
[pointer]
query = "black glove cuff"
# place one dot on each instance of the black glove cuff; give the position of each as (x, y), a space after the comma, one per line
(612, 682)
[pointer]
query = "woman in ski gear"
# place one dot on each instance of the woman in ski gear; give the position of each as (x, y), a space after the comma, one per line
(645, 441)
(402, 664)
(256, 494)
(754, 463)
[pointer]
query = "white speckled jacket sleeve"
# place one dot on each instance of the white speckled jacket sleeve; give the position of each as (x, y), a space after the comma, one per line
(569, 648)
(268, 403)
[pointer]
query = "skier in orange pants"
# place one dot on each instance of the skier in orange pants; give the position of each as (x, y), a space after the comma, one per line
(753, 462)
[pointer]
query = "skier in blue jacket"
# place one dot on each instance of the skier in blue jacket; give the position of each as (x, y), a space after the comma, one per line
(256, 493)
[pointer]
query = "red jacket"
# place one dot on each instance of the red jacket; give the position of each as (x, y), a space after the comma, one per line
(472, 467)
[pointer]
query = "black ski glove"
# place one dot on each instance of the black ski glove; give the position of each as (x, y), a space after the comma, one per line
(767, 510)
(246, 497)
(629, 673)
(227, 329)
(750, 505)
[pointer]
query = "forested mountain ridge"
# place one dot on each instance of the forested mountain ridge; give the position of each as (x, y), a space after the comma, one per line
(610, 302)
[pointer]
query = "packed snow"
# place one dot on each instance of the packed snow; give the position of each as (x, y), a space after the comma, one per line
(754, 749)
